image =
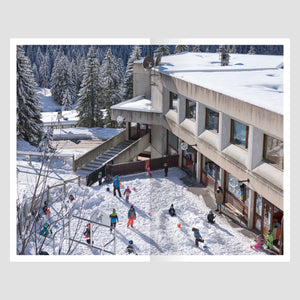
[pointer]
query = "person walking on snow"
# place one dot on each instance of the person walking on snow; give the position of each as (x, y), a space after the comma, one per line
(117, 185)
(127, 192)
(113, 219)
(219, 199)
(198, 237)
(130, 249)
(131, 216)
(87, 233)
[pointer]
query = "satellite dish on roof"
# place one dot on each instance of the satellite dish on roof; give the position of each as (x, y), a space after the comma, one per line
(148, 62)
(158, 59)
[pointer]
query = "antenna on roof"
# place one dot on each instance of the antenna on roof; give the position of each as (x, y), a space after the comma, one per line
(148, 62)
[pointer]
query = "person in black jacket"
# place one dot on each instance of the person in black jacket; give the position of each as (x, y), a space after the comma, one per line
(166, 168)
(130, 249)
(172, 211)
(211, 217)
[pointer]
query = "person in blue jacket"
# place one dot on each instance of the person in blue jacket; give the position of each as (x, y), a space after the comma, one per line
(116, 185)
(198, 237)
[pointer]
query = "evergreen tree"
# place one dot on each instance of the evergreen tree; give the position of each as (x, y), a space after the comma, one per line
(181, 48)
(61, 78)
(128, 84)
(45, 144)
(111, 83)
(45, 70)
(29, 124)
(251, 50)
(67, 101)
(196, 48)
(89, 97)
(162, 49)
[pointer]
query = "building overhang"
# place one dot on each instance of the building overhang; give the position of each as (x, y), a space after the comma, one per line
(138, 110)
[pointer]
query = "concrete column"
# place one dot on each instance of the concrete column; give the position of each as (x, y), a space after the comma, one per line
(255, 147)
(181, 109)
(251, 209)
(224, 131)
(180, 153)
(158, 141)
(198, 172)
(200, 118)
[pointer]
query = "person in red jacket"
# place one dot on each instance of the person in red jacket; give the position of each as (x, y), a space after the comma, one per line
(131, 216)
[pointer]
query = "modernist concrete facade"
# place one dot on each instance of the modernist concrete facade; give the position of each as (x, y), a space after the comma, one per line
(261, 200)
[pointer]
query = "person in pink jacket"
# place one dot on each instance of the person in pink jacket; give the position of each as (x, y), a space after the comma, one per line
(127, 192)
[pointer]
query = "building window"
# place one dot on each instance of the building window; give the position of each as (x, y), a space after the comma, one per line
(190, 109)
(239, 134)
(273, 151)
(212, 120)
(172, 143)
(173, 103)
(240, 191)
(189, 160)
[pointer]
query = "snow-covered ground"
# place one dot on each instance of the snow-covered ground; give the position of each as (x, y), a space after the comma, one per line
(155, 233)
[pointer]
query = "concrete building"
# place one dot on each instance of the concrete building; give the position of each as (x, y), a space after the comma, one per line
(224, 122)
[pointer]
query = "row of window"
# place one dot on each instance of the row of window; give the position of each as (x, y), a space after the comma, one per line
(272, 150)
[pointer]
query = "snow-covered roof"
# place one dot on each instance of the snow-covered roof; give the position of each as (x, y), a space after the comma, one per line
(136, 104)
(256, 79)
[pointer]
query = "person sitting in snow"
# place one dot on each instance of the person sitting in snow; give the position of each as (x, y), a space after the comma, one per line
(198, 237)
(211, 217)
(130, 249)
(259, 242)
(117, 185)
(45, 230)
(71, 198)
(172, 210)
(87, 233)
(127, 192)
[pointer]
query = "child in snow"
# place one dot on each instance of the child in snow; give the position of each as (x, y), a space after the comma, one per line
(270, 239)
(148, 170)
(45, 208)
(131, 216)
(211, 217)
(113, 219)
(259, 242)
(87, 233)
(198, 237)
(71, 198)
(172, 210)
(166, 168)
(45, 230)
(107, 179)
(100, 177)
(130, 249)
(117, 185)
(127, 192)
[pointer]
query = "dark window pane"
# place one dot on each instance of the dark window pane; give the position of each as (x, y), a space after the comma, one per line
(212, 120)
(239, 134)
(190, 109)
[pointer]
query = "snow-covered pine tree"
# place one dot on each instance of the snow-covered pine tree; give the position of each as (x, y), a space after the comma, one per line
(128, 84)
(29, 123)
(111, 83)
(45, 144)
(196, 48)
(67, 101)
(89, 101)
(61, 78)
(162, 49)
(45, 70)
(251, 50)
(181, 48)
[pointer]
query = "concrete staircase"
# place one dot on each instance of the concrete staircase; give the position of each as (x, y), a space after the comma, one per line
(105, 157)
